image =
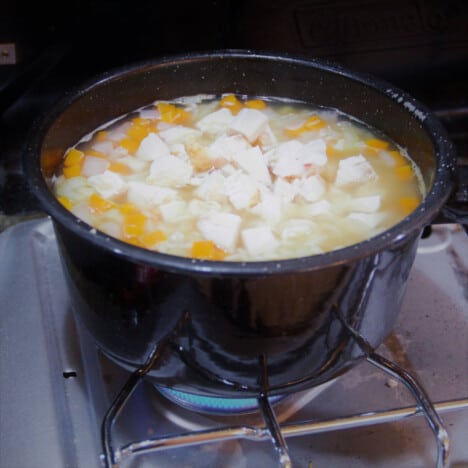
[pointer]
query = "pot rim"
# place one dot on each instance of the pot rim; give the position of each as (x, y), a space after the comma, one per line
(424, 213)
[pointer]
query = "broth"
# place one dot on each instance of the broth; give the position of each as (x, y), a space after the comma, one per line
(238, 179)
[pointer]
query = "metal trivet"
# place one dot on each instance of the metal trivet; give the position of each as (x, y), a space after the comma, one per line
(272, 430)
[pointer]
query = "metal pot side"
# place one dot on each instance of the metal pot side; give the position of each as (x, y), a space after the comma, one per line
(257, 326)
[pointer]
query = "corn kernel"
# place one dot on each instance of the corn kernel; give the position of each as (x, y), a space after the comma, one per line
(128, 208)
(207, 250)
(99, 204)
(73, 157)
(408, 204)
(255, 104)
(65, 201)
(377, 143)
(152, 238)
(134, 241)
(130, 145)
(72, 171)
(231, 102)
(405, 173)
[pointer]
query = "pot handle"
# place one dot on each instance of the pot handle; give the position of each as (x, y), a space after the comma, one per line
(456, 208)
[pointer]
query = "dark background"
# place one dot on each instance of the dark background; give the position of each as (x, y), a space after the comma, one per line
(419, 45)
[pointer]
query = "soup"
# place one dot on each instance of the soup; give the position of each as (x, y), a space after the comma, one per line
(237, 178)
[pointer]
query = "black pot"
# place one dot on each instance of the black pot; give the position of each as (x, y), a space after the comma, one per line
(275, 325)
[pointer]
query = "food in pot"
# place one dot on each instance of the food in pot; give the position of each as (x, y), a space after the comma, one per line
(238, 179)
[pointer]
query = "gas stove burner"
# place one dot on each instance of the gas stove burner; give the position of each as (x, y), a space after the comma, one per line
(213, 404)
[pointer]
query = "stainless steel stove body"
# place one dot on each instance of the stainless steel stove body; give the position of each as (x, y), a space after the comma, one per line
(56, 386)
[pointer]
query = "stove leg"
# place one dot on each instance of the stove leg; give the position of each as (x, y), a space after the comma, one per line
(424, 403)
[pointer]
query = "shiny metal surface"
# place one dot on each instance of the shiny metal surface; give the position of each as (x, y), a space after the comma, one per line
(62, 386)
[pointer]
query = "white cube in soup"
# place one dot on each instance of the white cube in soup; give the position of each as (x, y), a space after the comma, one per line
(226, 147)
(93, 166)
(215, 122)
(221, 228)
(253, 163)
(144, 195)
(212, 187)
(259, 240)
(152, 147)
(314, 152)
(353, 170)
(241, 190)
(179, 134)
(250, 123)
(174, 211)
(108, 184)
(311, 188)
(170, 171)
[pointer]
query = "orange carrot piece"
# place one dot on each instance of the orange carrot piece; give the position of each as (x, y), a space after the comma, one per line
(255, 104)
(377, 143)
(207, 250)
(231, 102)
(405, 173)
(72, 171)
(408, 204)
(99, 204)
(73, 157)
(152, 238)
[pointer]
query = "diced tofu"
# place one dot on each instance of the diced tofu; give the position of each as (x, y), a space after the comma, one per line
(145, 195)
(75, 189)
(108, 184)
(267, 139)
(353, 170)
(285, 190)
(202, 207)
(216, 122)
(314, 152)
(221, 228)
(93, 166)
(250, 123)
(151, 114)
(319, 208)
(105, 147)
(259, 240)
(226, 147)
(296, 228)
(311, 188)
(254, 163)
(136, 165)
(371, 220)
(152, 147)
(270, 207)
(170, 171)
(241, 190)
(212, 187)
(178, 134)
(286, 159)
(369, 204)
(174, 211)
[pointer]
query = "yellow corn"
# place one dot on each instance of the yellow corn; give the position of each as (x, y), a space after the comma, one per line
(311, 124)
(119, 168)
(399, 159)
(101, 135)
(138, 132)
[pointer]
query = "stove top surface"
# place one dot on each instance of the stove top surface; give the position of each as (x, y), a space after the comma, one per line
(56, 386)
